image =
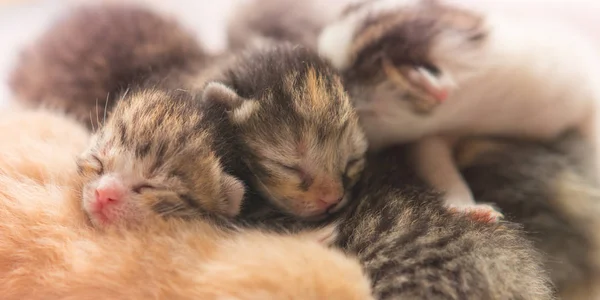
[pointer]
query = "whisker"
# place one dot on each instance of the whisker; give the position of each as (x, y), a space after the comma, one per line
(97, 118)
(92, 122)
(106, 108)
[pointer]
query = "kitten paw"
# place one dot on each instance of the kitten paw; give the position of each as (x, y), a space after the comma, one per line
(482, 213)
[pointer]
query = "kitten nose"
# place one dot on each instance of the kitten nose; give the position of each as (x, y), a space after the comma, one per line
(109, 191)
(328, 200)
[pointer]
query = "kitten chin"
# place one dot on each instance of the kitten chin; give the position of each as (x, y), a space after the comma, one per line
(43, 231)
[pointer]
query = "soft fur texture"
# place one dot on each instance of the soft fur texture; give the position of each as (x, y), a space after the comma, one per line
(413, 248)
(82, 63)
(49, 251)
(286, 127)
(549, 189)
(495, 79)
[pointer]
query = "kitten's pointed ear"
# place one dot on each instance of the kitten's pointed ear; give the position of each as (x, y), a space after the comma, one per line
(234, 194)
(240, 109)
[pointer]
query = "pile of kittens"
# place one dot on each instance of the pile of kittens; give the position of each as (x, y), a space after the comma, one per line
(323, 156)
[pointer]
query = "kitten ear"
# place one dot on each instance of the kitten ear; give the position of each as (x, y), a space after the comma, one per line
(234, 194)
(240, 108)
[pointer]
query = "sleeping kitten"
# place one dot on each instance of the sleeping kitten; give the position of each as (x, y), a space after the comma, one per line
(429, 72)
(49, 251)
(550, 190)
(84, 61)
(413, 248)
(156, 155)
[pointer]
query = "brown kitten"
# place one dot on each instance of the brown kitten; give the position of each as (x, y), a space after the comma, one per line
(287, 129)
(85, 60)
(49, 251)
(156, 155)
(550, 190)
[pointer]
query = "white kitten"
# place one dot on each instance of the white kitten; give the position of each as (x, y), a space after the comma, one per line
(428, 72)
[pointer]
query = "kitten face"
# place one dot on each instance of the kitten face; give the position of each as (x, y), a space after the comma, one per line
(413, 52)
(305, 146)
(153, 157)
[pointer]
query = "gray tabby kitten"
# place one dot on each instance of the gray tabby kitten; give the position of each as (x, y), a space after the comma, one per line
(549, 189)
(412, 248)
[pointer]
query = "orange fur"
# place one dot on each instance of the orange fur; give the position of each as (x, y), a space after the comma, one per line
(48, 252)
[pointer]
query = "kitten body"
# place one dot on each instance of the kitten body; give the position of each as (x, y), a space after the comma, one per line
(85, 60)
(550, 190)
(50, 251)
(413, 248)
(427, 72)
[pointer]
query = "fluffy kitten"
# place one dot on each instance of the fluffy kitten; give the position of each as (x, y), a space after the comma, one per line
(413, 248)
(285, 124)
(156, 155)
(49, 251)
(549, 189)
(430, 72)
(82, 62)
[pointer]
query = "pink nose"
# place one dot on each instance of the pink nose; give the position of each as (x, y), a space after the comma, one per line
(329, 200)
(108, 192)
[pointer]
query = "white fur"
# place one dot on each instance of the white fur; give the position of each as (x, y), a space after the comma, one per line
(531, 80)
(336, 39)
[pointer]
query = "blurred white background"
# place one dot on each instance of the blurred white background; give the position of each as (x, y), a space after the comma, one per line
(22, 20)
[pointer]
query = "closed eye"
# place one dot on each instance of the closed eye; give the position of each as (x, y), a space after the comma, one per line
(140, 187)
(352, 162)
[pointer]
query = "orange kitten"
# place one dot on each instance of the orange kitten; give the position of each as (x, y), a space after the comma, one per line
(48, 252)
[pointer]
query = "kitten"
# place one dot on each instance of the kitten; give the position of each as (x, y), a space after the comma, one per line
(285, 125)
(550, 190)
(429, 72)
(155, 155)
(49, 251)
(86, 59)
(413, 248)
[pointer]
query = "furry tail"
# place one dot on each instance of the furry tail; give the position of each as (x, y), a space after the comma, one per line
(96, 52)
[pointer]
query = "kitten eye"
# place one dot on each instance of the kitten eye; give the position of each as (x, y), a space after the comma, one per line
(290, 168)
(94, 164)
(138, 188)
(352, 163)
(477, 37)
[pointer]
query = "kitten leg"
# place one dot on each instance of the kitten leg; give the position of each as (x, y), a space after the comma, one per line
(435, 164)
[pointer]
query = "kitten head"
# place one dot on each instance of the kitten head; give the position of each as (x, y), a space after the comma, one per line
(302, 142)
(154, 156)
(415, 51)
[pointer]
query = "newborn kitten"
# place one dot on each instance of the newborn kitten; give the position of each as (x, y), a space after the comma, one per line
(287, 129)
(155, 155)
(83, 61)
(429, 72)
(49, 251)
(550, 190)
(413, 248)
